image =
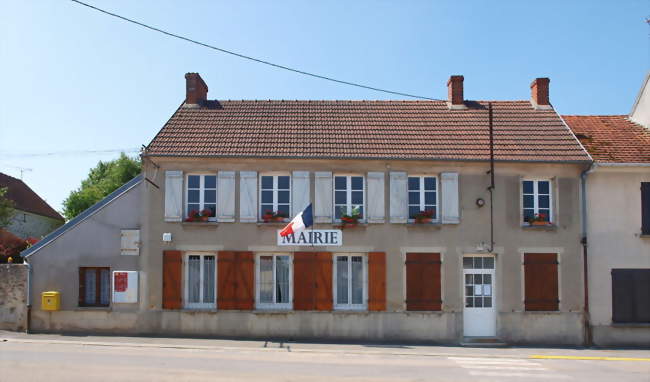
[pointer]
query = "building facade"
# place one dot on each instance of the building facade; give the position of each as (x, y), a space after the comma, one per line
(415, 238)
(617, 231)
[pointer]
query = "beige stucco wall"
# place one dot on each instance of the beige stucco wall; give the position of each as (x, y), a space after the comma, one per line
(452, 241)
(614, 234)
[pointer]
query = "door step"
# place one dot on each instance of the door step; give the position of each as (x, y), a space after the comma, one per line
(482, 342)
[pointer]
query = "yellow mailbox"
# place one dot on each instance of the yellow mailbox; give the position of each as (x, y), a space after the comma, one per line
(50, 300)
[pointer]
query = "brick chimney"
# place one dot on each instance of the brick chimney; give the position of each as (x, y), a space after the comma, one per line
(455, 92)
(196, 91)
(539, 93)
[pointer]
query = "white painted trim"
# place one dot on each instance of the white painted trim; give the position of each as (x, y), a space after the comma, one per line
(202, 175)
(273, 306)
(438, 218)
(552, 189)
(349, 204)
(275, 175)
(198, 305)
(364, 272)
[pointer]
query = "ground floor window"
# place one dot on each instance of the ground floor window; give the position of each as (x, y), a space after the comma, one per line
(423, 282)
(94, 286)
(541, 282)
(631, 295)
(200, 282)
(274, 281)
(350, 282)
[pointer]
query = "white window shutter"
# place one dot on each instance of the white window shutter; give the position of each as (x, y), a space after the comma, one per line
(450, 198)
(226, 196)
(173, 196)
(323, 195)
(398, 197)
(300, 192)
(375, 201)
(130, 242)
(248, 196)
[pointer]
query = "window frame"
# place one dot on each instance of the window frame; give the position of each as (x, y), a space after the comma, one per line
(551, 206)
(421, 191)
(186, 280)
(273, 305)
(350, 306)
(98, 290)
(202, 189)
(275, 193)
(349, 205)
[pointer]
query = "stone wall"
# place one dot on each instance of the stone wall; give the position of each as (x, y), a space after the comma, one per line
(13, 297)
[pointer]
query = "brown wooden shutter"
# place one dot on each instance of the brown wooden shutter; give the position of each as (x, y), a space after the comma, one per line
(323, 281)
(245, 286)
(423, 281)
(304, 280)
(541, 281)
(226, 280)
(172, 290)
(377, 281)
(645, 208)
(82, 286)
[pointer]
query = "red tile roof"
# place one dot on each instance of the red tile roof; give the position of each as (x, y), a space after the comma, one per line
(25, 199)
(611, 138)
(366, 130)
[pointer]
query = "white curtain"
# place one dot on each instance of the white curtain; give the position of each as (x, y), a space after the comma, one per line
(282, 279)
(342, 280)
(266, 279)
(208, 279)
(194, 279)
(357, 280)
(105, 286)
(91, 282)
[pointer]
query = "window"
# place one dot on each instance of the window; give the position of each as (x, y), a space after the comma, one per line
(274, 281)
(202, 195)
(423, 196)
(645, 208)
(541, 282)
(349, 194)
(423, 281)
(94, 286)
(537, 201)
(631, 295)
(200, 281)
(275, 195)
(350, 282)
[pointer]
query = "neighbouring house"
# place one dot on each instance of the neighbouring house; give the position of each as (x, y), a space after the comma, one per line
(410, 241)
(33, 217)
(617, 236)
(641, 109)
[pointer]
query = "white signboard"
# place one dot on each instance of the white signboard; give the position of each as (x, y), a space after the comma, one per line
(317, 237)
(125, 286)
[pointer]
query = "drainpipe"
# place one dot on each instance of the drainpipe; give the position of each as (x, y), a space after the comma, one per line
(585, 264)
(29, 295)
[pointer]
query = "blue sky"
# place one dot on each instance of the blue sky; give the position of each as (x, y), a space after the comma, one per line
(76, 80)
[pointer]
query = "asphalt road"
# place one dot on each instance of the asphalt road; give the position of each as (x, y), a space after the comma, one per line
(94, 359)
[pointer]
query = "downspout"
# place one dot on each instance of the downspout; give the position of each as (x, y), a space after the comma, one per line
(29, 295)
(583, 240)
(491, 188)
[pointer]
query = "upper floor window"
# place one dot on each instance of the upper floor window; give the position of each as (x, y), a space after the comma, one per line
(537, 201)
(200, 284)
(274, 281)
(275, 197)
(423, 197)
(350, 282)
(349, 196)
(201, 196)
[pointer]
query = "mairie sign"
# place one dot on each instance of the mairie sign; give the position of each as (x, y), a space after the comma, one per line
(317, 237)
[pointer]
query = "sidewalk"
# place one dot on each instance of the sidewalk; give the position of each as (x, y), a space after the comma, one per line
(314, 347)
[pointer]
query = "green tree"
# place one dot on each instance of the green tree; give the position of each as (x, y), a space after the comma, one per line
(6, 208)
(105, 178)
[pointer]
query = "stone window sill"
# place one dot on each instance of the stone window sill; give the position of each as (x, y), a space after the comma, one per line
(644, 236)
(549, 227)
(200, 224)
(93, 309)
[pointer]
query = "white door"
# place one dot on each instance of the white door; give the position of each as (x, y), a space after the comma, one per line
(479, 315)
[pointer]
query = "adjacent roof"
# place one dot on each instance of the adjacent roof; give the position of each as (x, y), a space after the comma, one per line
(82, 216)
(25, 199)
(426, 130)
(611, 138)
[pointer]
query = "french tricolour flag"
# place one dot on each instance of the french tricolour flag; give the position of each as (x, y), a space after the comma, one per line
(299, 223)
